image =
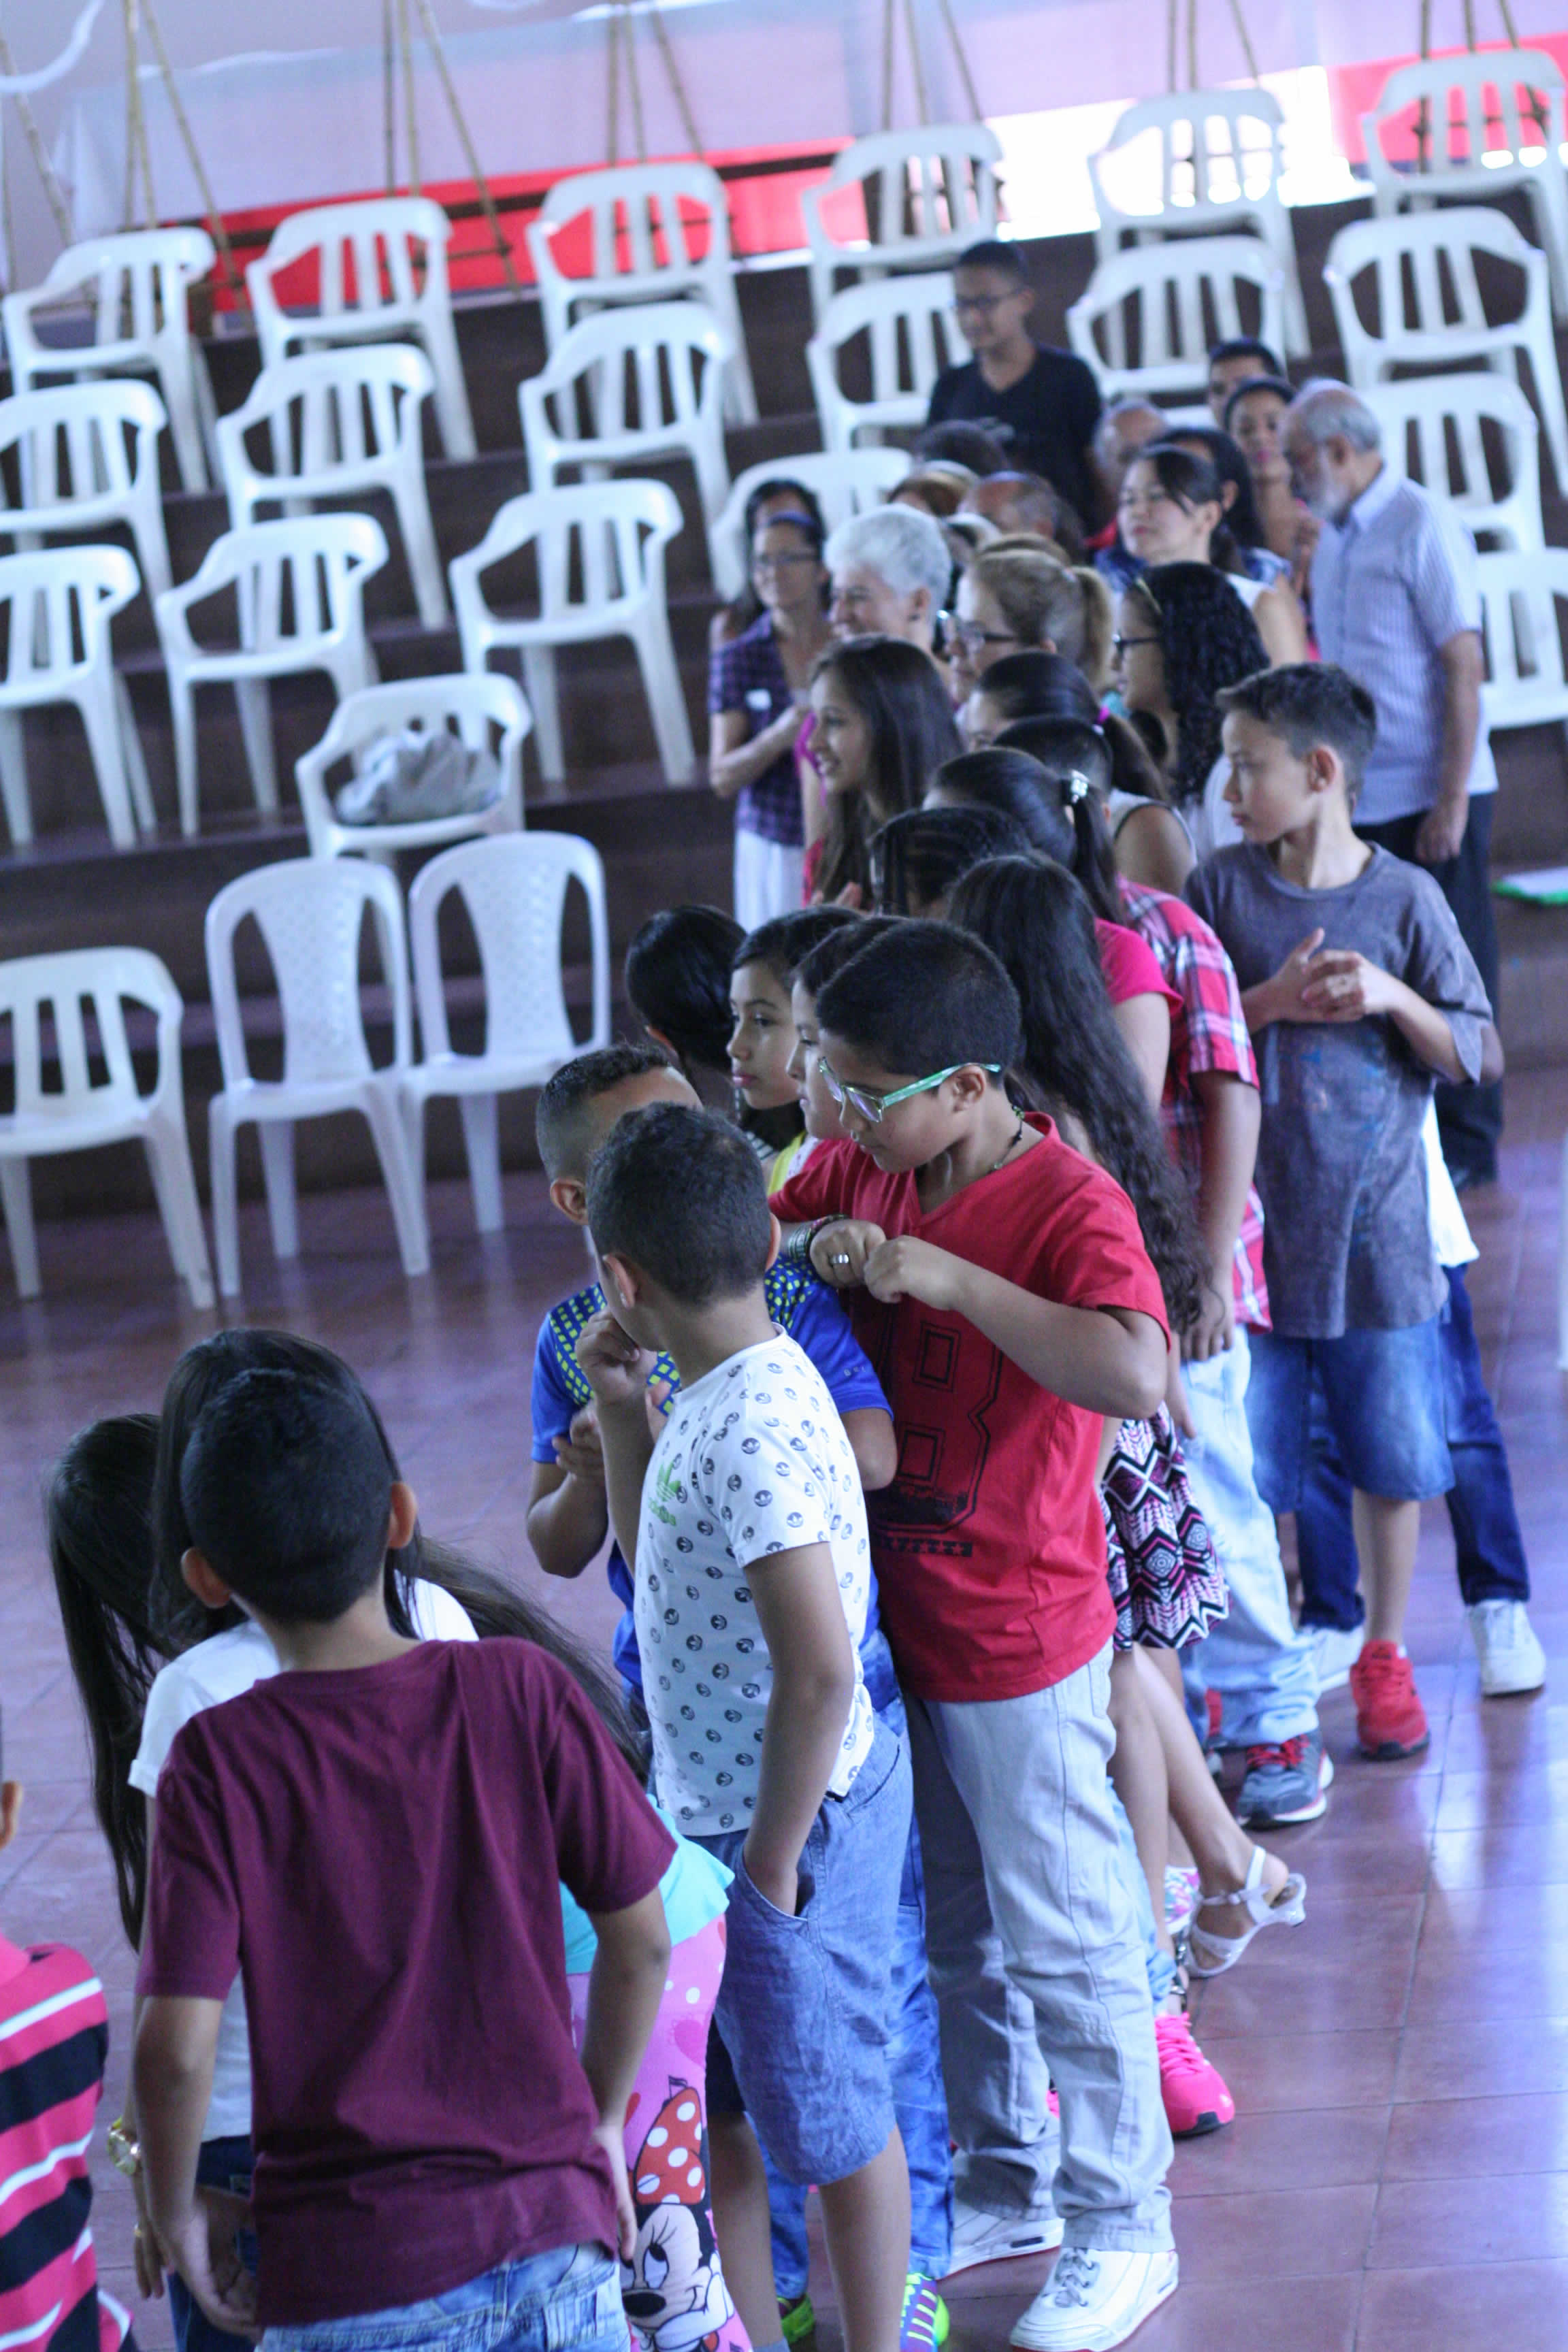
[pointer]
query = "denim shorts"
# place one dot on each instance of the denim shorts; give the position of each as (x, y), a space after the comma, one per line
(801, 2031)
(568, 2300)
(1382, 1393)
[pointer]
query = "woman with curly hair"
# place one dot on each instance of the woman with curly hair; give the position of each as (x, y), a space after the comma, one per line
(1172, 509)
(1181, 635)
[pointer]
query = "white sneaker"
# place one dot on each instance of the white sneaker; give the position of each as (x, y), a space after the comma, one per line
(979, 2236)
(1512, 1660)
(1334, 1653)
(1092, 2301)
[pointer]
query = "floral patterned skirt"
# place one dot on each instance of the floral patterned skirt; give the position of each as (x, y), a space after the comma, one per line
(1165, 1580)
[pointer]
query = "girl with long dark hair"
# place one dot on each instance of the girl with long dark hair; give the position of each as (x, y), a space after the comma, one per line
(884, 726)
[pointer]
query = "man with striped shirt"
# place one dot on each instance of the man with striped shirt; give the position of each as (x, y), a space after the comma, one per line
(54, 2040)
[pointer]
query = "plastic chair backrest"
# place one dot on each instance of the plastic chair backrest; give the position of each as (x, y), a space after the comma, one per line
(341, 409)
(297, 579)
(1521, 591)
(468, 702)
(641, 227)
(936, 193)
(102, 979)
(912, 329)
(1186, 297)
(1201, 176)
(139, 282)
(514, 886)
(366, 266)
(311, 913)
(1413, 303)
(84, 441)
(1446, 415)
(56, 601)
(1488, 105)
(656, 345)
(600, 539)
(844, 482)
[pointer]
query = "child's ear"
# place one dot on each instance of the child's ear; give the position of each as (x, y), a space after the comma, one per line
(1028, 294)
(625, 1283)
(203, 1580)
(570, 1195)
(10, 1809)
(403, 1518)
(1322, 767)
(775, 1236)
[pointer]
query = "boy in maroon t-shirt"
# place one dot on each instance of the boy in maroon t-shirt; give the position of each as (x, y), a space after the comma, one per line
(374, 1841)
(998, 1282)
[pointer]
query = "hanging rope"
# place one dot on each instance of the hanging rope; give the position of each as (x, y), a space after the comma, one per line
(666, 49)
(967, 77)
(52, 188)
(214, 217)
(922, 108)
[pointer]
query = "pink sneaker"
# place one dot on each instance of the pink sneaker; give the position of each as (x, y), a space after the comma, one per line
(1196, 2099)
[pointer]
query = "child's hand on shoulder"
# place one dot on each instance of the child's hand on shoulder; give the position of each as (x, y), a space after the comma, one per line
(1346, 987)
(839, 1251)
(907, 1268)
(612, 1363)
(581, 1451)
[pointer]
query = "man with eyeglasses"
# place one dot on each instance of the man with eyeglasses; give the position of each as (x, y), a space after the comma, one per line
(1042, 404)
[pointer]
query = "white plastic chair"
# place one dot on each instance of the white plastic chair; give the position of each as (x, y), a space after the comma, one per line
(339, 423)
(82, 1111)
(1445, 414)
(514, 888)
(1187, 296)
(645, 223)
(1464, 156)
(138, 284)
(56, 605)
(311, 913)
(1527, 684)
(371, 291)
(299, 592)
(1220, 164)
(472, 707)
(88, 455)
(675, 354)
(1441, 246)
(911, 331)
(844, 482)
(935, 194)
(599, 555)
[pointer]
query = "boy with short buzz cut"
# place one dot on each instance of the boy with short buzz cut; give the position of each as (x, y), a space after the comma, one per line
(1001, 1287)
(375, 1841)
(1359, 992)
(746, 1531)
(1239, 360)
(1043, 404)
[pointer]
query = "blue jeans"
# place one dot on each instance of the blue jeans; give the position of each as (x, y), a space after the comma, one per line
(568, 2300)
(914, 2059)
(1257, 1661)
(1382, 1394)
(1489, 1549)
(221, 2164)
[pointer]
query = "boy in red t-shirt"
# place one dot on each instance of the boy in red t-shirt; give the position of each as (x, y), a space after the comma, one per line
(1000, 1286)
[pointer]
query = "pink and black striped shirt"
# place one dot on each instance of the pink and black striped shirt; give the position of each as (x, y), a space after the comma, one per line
(54, 2040)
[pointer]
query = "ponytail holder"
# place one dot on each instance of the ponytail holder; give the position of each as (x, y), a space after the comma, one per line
(1078, 787)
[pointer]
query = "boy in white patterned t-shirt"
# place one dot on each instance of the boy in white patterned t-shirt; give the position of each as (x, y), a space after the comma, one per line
(745, 1530)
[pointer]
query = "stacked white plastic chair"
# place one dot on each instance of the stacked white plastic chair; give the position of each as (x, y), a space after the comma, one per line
(339, 423)
(475, 708)
(1424, 266)
(382, 267)
(671, 357)
(598, 555)
(83, 1112)
(138, 285)
(912, 334)
(926, 194)
(311, 913)
(56, 606)
(844, 482)
(88, 455)
(1464, 97)
(1220, 165)
(644, 223)
(1449, 417)
(1524, 596)
(299, 588)
(514, 888)
(1188, 292)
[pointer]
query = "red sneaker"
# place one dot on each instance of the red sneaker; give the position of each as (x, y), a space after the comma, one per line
(1196, 2099)
(1390, 1719)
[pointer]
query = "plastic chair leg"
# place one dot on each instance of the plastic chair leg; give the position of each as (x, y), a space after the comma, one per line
(174, 1180)
(276, 1137)
(1561, 1264)
(482, 1140)
(1549, 400)
(544, 702)
(14, 779)
(100, 717)
(666, 702)
(404, 1193)
(16, 1201)
(152, 547)
(135, 763)
(255, 730)
(183, 713)
(181, 399)
(423, 556)
(225, 1206)
(452, 414)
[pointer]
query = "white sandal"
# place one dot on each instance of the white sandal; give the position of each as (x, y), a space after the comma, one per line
(1213, 1955)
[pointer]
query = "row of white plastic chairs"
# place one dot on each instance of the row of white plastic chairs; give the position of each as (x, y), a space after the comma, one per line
(311, 913)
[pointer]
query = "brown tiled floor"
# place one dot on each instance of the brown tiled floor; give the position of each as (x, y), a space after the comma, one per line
(1396, 2178)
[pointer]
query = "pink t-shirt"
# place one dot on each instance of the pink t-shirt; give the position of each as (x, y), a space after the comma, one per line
(1129, 966)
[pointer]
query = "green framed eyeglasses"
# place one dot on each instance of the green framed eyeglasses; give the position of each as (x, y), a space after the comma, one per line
(868, 1105)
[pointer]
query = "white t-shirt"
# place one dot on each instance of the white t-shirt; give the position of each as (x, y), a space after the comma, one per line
(752, 1460)
(204, 1676)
